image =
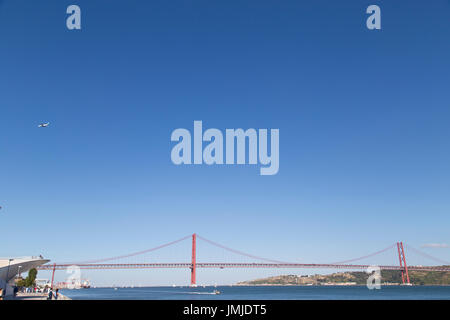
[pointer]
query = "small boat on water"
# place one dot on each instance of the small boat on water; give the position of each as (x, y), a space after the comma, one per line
(216, 292)
(85, 284)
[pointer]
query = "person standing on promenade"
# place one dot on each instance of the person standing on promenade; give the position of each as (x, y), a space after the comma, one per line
(50, 294)
(56, 294)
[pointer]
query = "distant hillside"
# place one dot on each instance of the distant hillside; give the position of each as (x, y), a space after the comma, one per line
(355, 278)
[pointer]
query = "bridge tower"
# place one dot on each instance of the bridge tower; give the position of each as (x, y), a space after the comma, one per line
(193, 263)
(402, 260)
(53, 274)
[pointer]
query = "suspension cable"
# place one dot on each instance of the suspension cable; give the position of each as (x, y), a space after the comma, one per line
(238, 252)
(367, 256)
(134, 253)
(427, 255)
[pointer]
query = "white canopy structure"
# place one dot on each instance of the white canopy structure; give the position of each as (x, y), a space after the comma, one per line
(11, 267)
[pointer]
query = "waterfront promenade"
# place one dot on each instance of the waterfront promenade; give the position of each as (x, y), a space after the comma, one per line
(35, 296)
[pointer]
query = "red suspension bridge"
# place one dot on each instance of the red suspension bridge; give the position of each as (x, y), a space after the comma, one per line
(193, 265)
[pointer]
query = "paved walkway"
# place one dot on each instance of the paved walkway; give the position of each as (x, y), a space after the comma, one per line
(35, 296)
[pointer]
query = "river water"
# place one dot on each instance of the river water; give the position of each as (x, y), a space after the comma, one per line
(263, 293)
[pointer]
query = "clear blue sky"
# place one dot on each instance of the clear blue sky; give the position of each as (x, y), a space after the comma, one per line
(363, 118)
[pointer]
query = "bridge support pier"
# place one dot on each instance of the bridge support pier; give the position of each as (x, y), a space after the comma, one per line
(53, 274)
(194, 261)
(402, 260)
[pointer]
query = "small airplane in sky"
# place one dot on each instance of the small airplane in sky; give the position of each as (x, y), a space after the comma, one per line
(44, 125)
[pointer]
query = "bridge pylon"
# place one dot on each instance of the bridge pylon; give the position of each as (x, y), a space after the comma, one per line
(194, 261)
(402, 260)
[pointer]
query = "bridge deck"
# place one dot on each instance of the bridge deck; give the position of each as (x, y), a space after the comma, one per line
(234, 265)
